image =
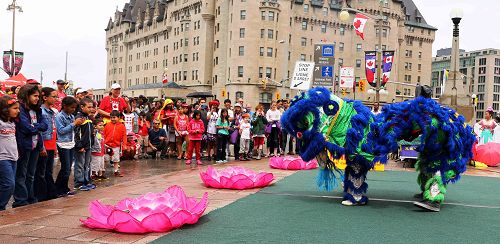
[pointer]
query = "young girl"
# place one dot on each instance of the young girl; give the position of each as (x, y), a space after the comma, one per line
(144, 126)
(45, 188)
(181, 122)
(212, 118)
(259, 122)
(29, 125)
(196, 128)
(128, 119)
(98, 151)
(65, 124)
(222, 135)
(9, 110)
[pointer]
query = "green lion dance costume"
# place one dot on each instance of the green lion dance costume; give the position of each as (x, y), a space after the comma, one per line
(328, 127)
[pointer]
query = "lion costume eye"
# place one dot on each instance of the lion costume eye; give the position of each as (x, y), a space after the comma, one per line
(306, 122)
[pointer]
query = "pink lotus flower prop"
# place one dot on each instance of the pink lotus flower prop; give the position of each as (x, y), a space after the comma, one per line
(291, 163)
(153, 212)
(235, 178)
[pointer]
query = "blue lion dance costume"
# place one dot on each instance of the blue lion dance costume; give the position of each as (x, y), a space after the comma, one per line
(328, 127)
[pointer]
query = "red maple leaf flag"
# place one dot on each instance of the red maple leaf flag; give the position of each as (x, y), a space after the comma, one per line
(359, 24)
(165, 79)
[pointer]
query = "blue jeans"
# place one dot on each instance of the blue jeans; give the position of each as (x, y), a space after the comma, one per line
(7, 181)
(82, 168)
(24, 193)
(66, 157)
(45, 188)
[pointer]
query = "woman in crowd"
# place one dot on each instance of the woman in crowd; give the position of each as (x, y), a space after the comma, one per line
(273, 117)
(222, 125)
(181, 122)
(211, 135)
(487, 126)
(259, 123)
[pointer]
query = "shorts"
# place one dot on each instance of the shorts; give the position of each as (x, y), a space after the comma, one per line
(170, 133)
(143, 141)
(116, 155)
(97, 163)
(258, 141)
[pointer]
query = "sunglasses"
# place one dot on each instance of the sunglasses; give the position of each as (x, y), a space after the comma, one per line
(156, 123)
(11, 101)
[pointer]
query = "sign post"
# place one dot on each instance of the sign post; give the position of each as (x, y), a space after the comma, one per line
(302, 76)
(324, 59)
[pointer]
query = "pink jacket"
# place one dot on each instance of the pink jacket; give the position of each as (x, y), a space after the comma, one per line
(196, 128)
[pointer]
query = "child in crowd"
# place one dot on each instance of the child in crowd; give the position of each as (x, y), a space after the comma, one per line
(245, 137)
(65, 124)
(211, 137)
(29, 125)
(98, 150)
(259, 122)
(128, 119)
(83, 142)
(222, 135)
(45, 188)
(181, 122)
(196, 128)
(144, 127)
(9, 111)
(115, 135)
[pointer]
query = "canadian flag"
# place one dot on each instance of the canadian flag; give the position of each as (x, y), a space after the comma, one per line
(165, 79)
(359, 24)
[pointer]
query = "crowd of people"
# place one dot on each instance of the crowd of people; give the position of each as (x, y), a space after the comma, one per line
(40, 124)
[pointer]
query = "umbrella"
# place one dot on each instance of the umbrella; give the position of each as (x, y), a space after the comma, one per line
(200, 94)
(488, 154)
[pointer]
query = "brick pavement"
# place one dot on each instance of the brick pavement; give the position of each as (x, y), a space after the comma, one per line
(57, 221)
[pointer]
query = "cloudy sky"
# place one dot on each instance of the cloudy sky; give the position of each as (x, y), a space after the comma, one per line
(49, 28)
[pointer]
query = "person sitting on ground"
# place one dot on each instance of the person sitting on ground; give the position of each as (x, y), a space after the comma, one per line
(158, 139)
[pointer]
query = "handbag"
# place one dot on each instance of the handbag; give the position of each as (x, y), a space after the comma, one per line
(268, 128)
(234, 137)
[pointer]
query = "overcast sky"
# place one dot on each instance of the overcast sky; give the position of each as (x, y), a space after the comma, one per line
(49, 28)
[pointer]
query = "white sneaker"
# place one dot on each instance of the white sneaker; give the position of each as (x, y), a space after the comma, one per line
(224, 161)
(347, 203)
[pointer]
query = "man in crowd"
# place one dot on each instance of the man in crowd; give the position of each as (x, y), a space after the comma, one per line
(286, 139)
(61, 93)
(113, 102)
(158, 139)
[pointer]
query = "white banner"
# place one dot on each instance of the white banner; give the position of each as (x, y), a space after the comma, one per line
(346, 77)
(302, 75)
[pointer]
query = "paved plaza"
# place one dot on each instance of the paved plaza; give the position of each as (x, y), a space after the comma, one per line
(57, 221)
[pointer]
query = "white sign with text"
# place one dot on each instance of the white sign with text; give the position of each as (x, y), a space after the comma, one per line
(302, 75)
(346, 77)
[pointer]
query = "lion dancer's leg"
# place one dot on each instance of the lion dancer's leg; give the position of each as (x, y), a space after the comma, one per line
(433, 191)
(354, 184)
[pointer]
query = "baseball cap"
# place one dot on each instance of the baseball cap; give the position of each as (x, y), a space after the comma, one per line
(81, 91)
(32, 82)
(116, 86)
(61, 82)
(237, 105)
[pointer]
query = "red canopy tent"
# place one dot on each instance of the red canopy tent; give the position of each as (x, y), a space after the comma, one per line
(17, 80)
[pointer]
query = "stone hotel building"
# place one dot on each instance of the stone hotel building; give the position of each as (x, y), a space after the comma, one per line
(248, 48)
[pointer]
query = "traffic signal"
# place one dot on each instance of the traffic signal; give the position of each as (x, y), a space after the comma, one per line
(223, 93)
(344, 92)
(278, 96)
(362, 86)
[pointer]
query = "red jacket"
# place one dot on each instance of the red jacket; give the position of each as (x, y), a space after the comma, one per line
(196, 128)
(115, 135)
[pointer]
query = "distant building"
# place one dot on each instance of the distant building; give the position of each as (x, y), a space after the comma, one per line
(480, 74)
(446, 52)
(248, 48)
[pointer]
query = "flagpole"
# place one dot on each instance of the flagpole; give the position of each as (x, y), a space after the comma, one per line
(66, 69)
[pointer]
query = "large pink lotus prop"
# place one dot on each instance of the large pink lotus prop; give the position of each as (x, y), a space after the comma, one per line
(235, 178)
(291, 163)
(153, 212)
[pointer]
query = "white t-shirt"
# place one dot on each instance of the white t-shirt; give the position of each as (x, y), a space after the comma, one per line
(211, 122)
(229, 112)
(272, 116)
(129, 119)
(245, 130)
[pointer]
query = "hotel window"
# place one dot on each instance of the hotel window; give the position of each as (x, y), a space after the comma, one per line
(358, 63)
(270, 34)
(269, 72)
(341, 61)
(261, 71)
(304, 24)
(341, 46)
(302, 57)
(242, 32)
(325, 11)
(270, 52)
(481, 79)
(242, 51)
(359, 47)
(482, 70)
(482, 61)
(323, 28)
(306, 8)
(243, 15)
(271, 16)
(262, 33)
(240, 71)
(419, 67)
(263, 15)
(342, 31)
(261, 51)
(303, 41)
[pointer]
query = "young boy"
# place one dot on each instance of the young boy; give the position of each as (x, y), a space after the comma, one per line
(98, 151)
(144, 126)
(115, 135)
(83, 142)
(245, 137)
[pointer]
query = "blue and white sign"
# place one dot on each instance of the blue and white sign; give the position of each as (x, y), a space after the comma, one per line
(327, 71)
(328, 50)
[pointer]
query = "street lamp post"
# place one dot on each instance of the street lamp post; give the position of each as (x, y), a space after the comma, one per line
(455, 15)
(344, 16)
(14, 7)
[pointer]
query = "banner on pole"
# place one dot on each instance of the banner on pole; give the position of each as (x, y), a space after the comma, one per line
(346, 77)
(370, 61)
(15, 68)
(302, 76)
(388, 58)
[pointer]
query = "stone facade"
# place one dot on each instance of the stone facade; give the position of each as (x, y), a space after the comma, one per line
(229, 47)
(480, 72)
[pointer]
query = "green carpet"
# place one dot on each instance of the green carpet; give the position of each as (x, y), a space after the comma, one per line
(293, 211)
